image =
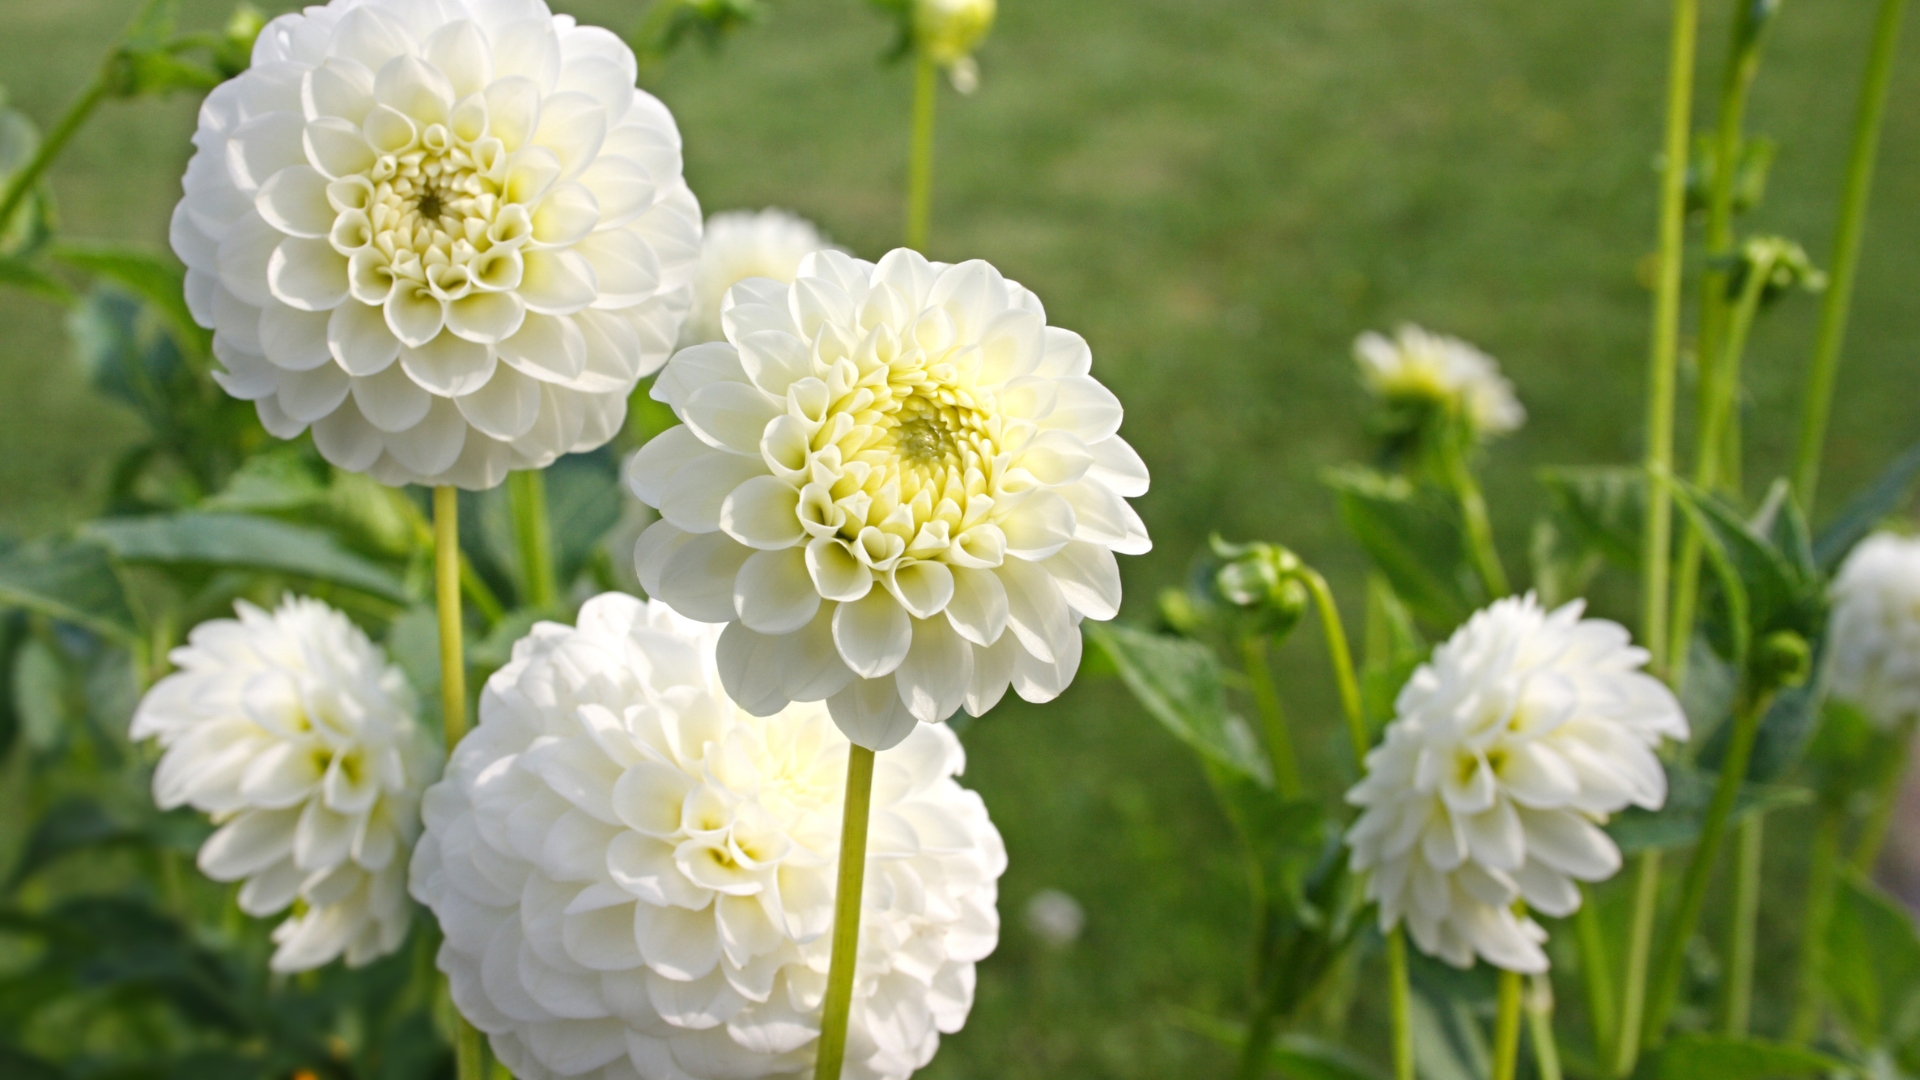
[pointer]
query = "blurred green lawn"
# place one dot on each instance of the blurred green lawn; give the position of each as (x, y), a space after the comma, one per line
(1219, 194)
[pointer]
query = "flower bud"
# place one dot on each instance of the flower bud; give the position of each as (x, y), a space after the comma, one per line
(1262, 580)
(235, 52)
(948, 31)
(1782, 659)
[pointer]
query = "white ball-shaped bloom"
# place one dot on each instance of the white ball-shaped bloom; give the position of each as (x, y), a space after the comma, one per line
(1417, 364)
(742, 244)
(447, 235)
(636, 878)
(299, 738)
(897, 484)
(1508, 748)
(1874, 635)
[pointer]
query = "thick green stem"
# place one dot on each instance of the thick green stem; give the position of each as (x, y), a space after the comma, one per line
(1823, 877)
(1400, 1003)
(453, 694)
(1693, 890)
(1596, 971)
(1273, 721)
(1817, 403)
(533, 537)
(1546, 1050)
(1736, 1008)
(1475, 522)
(1664, 352)
(926, 93)
(846, 915)
(1342, 659)
(1506, 1026)
(1633, 1000)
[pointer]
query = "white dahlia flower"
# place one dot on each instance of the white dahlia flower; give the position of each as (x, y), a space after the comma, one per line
(636, 878)
(1875, 632)
(897, 484)
(299, 738)
(1419, 365)
(742, 244)
(447, 235)
(1508, 750)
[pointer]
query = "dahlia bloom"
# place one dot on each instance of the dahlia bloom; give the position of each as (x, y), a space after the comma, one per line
(448, 236)
(1875, 632)
(1423, 366)
(897, 485)
(742, 244)
(636, 878)
(298, 736)
(1508, 750)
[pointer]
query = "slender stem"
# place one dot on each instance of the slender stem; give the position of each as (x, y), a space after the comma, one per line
(1693, 891)
(1823, 876)
(22, 182)
(1400, 1003)
(1736, 1009)
(1848, 232)
(1286, 769)
(1258, 1045)
(926, 93)
(453, 693)
(1596, 970)
(1342, 660)
(846, 915)
(1476, 525)
(1665, 348)
(533, 537)
(1546, 1051)
(1506, 1026)
(1633, 1001)
(468, 1057)
(1873, 834)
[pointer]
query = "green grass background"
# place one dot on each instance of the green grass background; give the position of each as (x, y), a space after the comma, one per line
(1219, 194)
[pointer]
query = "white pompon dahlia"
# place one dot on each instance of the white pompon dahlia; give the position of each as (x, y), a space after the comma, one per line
(447, 235)
(742, 244)
(636, 878)
(1508, 750)
(1417, 364)
(299, 738)
(1875, 632)
(897, 484)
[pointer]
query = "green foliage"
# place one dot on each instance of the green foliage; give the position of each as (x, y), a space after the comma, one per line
(1298, 1057)
(1865, 511)
(1182, 684)
(1411, 533)
(73, 582)
(1712, 1057)
(1873, 970)
(211, 541)
(1677, 823)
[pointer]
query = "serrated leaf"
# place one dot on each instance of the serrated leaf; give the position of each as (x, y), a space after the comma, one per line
(1180, 683)
(1864, 512)
(1873, 965)
(1411, 533)
(1716, 1057)
(245, 541)
(71, 582)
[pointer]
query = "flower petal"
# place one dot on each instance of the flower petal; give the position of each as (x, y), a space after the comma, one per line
(873, 634)
(773, 593)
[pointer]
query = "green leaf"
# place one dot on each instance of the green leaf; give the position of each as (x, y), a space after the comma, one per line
(1716, 1057)
(242, 540)
(1782, 591)
(1864, 512)
(19, 142)
(1412, 534)
(1873, 965)
(158, 280)
(13, 635)
(76, 824)
(1296, 1056)
(1689, 790)
(1600, 509)
(130, 353)
(583, 502)
(1392, 650)
(1180, 682)
(29, 278)
(72, 582)
(292, 481)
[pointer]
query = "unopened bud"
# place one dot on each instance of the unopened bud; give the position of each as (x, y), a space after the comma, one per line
(1783, 659)
(948, 31)
(1262, 580)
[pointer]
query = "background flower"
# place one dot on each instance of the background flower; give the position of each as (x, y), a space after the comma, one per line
(1418, 366)
(294, 732)
(636, 877)
(741, 244)
(1525, 730)
(1876, 629)
(449, 237)
(898, 484)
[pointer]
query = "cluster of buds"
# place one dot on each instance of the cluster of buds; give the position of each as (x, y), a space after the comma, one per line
(1252, 588)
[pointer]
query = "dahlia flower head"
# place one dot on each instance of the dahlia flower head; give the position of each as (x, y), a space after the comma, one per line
(447, 235)
(1508, 750)
(899, 488)
(741, 244)
(300, 739)
(1419, 365)
(1874, 636)
(636, 877)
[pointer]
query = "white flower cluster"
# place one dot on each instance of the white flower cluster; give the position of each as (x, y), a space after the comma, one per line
(293, 731)
(897, 484)
(1422, 365)
(448, 236)
(1508, 749)
(1875, 631)
(742, 244)
(636, 878)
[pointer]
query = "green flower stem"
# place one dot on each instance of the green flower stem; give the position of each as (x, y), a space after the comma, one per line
(1693, 890)
(1475, 524)
(1546, 1051)
(1342, 660)
(1817, 403)
(1633, 1001)
(1736, 1007)
(1506, 1026)
(1596, 970)
(926, 93)
(63, 132)
(1664, 353)
(1823, 876)
(1273, 720)
(453, 695)
(533, 537)
(1400, 1003)
(846, 915)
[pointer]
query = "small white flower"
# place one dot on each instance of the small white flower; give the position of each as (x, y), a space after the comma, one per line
(1508, 749)
(298, 736)
(1055, 918)
(742, 244)
(447, 235)
(899, 486)
(1875, 632)
(636, 878)
(1416, 364)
